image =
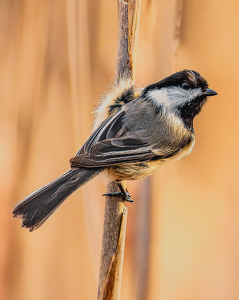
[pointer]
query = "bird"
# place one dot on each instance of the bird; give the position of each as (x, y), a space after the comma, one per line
(136, 132)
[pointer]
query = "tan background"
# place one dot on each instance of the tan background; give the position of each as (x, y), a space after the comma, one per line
(56, 58)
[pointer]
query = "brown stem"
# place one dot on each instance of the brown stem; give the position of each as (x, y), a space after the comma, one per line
(112, 246)
(115, 217)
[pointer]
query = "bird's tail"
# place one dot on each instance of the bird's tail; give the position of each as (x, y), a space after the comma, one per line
(36, 208)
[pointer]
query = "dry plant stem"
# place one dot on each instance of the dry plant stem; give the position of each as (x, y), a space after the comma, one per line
(128, 16)
(112, 246)
(115, 212)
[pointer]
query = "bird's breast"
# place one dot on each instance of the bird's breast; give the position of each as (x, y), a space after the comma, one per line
(134, 171)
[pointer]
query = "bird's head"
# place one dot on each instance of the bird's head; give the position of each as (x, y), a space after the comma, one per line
(183, 93)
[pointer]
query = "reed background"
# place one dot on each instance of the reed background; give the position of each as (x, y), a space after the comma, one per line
(56, 58)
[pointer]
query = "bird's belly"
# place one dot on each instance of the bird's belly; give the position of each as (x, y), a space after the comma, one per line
(138, 170)
(134, 171)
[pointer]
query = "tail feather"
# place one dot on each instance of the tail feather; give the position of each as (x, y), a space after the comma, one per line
(36, 208)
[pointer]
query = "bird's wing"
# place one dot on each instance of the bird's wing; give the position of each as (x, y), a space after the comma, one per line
(112, 152)
(113, 143)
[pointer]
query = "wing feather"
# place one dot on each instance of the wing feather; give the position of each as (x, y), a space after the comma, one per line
(113, 151)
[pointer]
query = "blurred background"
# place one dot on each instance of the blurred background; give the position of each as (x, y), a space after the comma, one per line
(56, 59)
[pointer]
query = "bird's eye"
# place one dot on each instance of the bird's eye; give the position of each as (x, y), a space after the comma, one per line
(185, 86)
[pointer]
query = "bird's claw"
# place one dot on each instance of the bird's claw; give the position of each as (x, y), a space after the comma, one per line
(126, 196)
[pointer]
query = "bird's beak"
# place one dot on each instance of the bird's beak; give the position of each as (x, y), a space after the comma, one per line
(209, 92)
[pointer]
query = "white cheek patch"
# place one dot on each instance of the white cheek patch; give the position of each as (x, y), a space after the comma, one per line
(173, 96)
(159, 97)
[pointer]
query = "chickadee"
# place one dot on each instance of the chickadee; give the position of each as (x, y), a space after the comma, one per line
(137, 131)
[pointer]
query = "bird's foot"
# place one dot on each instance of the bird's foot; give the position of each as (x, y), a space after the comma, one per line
(123, 193)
